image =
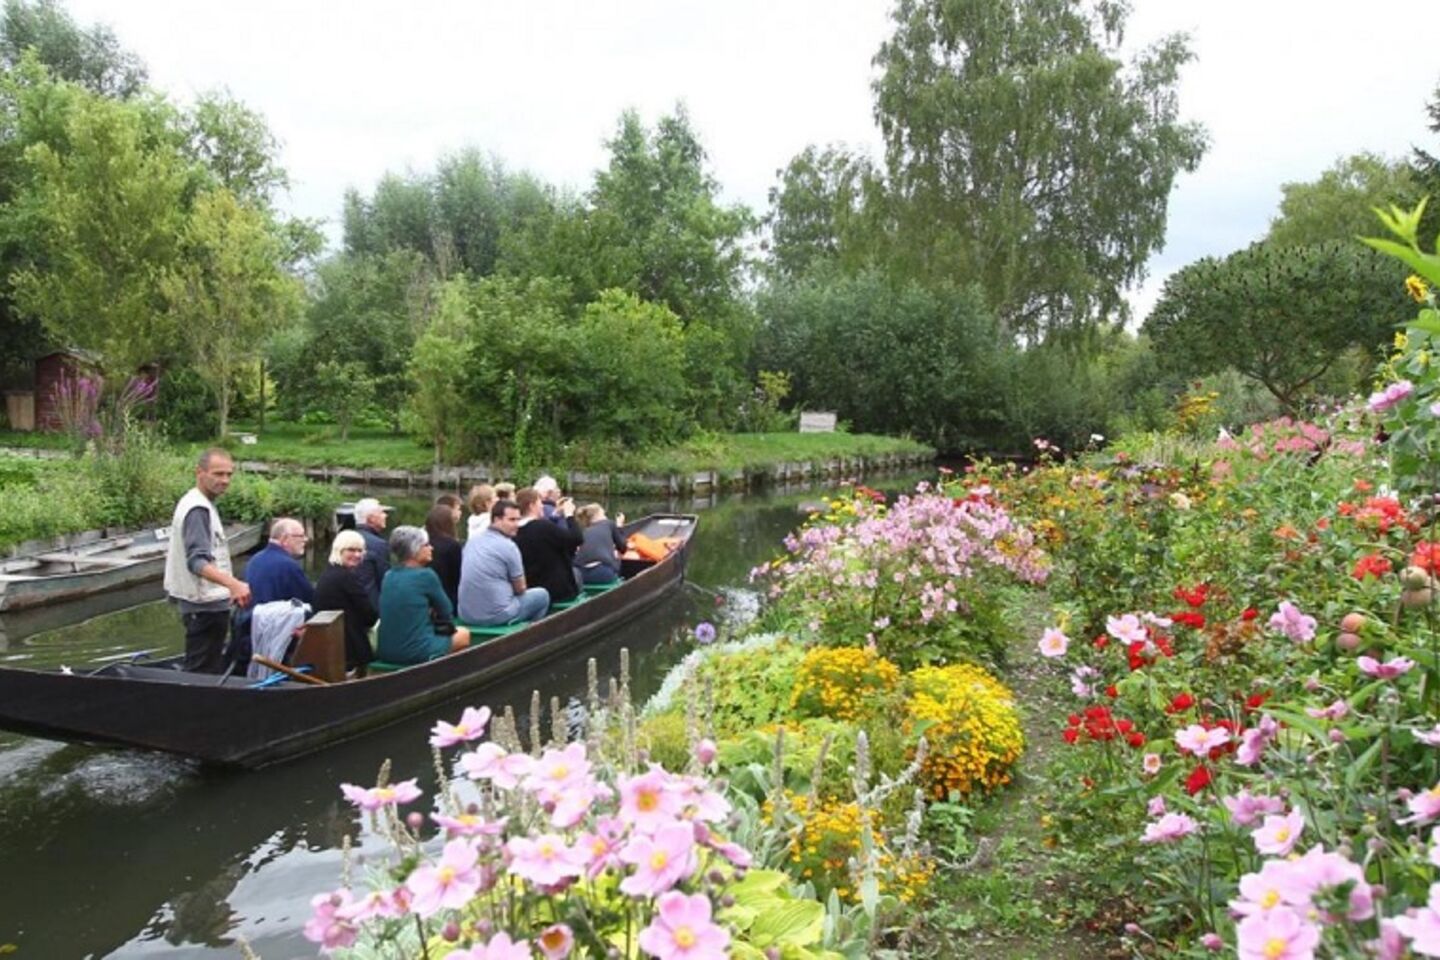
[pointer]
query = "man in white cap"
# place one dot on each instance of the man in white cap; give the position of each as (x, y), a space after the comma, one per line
(370, 521)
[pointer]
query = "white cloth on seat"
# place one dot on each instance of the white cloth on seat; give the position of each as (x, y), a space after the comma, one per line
(271, 627)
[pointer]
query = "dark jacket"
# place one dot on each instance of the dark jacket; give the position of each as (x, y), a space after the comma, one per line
(446, 564)
(548, 551)
(376, 564)
(339, 589)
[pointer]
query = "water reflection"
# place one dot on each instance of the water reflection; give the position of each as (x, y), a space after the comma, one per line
(116, 853)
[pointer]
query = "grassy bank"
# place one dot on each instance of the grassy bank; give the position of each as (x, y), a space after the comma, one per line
(314, 446)
(49, 498)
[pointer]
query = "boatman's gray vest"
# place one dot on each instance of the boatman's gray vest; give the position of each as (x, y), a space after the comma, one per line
(179, 581)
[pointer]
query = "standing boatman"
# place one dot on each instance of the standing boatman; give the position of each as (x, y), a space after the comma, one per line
(199, 578)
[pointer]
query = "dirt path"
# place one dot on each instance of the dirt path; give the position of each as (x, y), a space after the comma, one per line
(1019, 902)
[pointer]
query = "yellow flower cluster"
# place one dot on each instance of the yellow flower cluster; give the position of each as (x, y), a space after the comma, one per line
(829, 838)
(843, 683)
(1192, 408)
(971, 725)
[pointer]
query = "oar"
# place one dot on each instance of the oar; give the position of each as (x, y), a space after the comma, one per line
(288, 671)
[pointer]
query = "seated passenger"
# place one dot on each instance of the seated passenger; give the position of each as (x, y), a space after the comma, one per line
(548, 549)
(274, 574)
(340, 589)
(413, 606)
(440, 527)
(482, 499)
(598, 558)
(370, 520)
(493, 590)
(550, 498)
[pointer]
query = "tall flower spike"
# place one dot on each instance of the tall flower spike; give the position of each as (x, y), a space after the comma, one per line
(559, 733)
(778, 800)
(535, 744)
(512, 730)
(625, 674)
(813, 801)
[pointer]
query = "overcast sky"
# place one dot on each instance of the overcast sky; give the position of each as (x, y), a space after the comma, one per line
(353, 89)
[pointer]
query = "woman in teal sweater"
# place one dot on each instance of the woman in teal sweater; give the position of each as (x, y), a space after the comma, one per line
(411, 601)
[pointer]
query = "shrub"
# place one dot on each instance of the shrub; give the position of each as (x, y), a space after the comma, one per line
(829, 844)
(751, 688)
(925, 580)
(970, 722)
(844, 683)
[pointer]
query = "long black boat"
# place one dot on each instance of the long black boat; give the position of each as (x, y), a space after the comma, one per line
(233, 722)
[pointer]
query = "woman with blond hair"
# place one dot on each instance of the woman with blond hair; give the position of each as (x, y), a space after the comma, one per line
(482, 498)
(340, 589)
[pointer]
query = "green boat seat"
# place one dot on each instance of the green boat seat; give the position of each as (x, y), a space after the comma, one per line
(499, 630)
(566, 604)
(590, 589)
(385, 666)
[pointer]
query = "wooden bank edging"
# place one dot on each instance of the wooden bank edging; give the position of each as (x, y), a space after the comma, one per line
(579, 481)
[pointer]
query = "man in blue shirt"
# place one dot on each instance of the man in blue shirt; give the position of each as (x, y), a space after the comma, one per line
(274, 573)
(492, 576)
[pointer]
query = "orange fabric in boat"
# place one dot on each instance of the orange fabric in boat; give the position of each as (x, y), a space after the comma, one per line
(652, 548)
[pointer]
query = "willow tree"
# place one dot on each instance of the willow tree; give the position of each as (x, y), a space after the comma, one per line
(1023, 154)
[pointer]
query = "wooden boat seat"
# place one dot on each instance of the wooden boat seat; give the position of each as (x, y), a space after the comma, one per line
(322, 646)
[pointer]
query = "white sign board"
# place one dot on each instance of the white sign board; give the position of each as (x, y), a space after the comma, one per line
(814, 422)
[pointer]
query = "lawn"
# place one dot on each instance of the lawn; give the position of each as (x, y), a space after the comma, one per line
(304, 445)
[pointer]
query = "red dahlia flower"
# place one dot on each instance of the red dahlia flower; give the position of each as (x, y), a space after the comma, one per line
(1371, 565)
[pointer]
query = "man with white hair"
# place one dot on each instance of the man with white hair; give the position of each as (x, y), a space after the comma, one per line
(370, 521)
(550, 498)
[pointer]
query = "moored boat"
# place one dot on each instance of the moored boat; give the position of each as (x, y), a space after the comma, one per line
(232, 721)
(83, 570)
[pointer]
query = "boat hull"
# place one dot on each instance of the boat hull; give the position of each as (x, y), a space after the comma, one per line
(235, 724)
(26, 592)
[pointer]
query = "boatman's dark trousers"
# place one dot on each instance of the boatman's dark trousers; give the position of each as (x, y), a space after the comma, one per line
(205, 634)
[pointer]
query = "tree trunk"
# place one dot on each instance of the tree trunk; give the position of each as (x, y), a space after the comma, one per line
(261, 428)
(224, 409)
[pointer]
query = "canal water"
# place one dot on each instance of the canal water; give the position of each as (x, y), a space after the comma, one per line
(107, 852)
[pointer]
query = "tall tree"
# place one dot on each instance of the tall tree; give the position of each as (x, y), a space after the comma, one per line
(818, 213)
(101, 209)
(1340, 204)
(1280, 315)
(657, 225)
(229, 290)
(92, 58)
(1023, 155)
(1427, 173)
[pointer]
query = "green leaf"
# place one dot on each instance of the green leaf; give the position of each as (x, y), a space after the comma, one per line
(1425, 265)
(1427, 322)
(1357, 770)
(795, 922)
(758, 885)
